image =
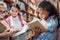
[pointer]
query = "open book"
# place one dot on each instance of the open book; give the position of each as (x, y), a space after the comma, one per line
(37, 23)
(3, 26)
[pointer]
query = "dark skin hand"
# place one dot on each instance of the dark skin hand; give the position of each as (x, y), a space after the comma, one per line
(34, 32)
(37, 30)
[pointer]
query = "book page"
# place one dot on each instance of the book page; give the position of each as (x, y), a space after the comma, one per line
(36, 23)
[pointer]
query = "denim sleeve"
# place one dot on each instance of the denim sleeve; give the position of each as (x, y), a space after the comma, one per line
(52, 25)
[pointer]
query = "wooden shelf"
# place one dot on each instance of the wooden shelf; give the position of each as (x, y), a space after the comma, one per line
(27, 9)
(27, 4)
(28, 13)
(9, 1)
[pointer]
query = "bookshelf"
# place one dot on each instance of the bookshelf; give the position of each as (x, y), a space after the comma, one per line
(29, 9)
(9, 1)
(51, 1)
(59, 5)
(58, 8)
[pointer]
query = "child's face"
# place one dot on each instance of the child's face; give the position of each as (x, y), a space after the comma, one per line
(14, 11)
(43, 14)
(2, 16)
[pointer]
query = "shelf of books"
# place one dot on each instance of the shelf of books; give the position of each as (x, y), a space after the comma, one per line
(28, 8)
(59, 8)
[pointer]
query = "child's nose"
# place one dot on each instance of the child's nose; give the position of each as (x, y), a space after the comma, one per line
(41, 12)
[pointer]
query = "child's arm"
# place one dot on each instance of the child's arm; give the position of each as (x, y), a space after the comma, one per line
(51, 25)
(25, 28)
(2, 35)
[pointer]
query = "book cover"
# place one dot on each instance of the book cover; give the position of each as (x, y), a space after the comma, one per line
(3, 26)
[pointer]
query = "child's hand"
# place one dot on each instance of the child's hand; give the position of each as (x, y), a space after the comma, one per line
(8, 33)
(7, 30)
(42, 18)
(45, 22)
(37, 30)
(15, 30)
(30, 34)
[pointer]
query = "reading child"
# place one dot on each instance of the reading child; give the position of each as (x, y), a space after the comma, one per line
(5, 35)
(48, 17)
(16, 22)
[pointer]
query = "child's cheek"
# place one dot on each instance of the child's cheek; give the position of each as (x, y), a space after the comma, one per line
(12, 13)
(1, 16)
(43, 16)
(40, 16)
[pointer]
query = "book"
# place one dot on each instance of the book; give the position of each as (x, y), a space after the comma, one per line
(3, 26)
(37, 23)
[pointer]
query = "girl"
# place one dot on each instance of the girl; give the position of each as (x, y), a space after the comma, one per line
(48, 17)
(15, 21)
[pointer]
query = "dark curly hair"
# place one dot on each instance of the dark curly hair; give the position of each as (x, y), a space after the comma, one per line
(17, 6)
(49, 7)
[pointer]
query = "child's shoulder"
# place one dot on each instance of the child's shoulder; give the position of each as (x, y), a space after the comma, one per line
(51, 18)
(7, 19)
